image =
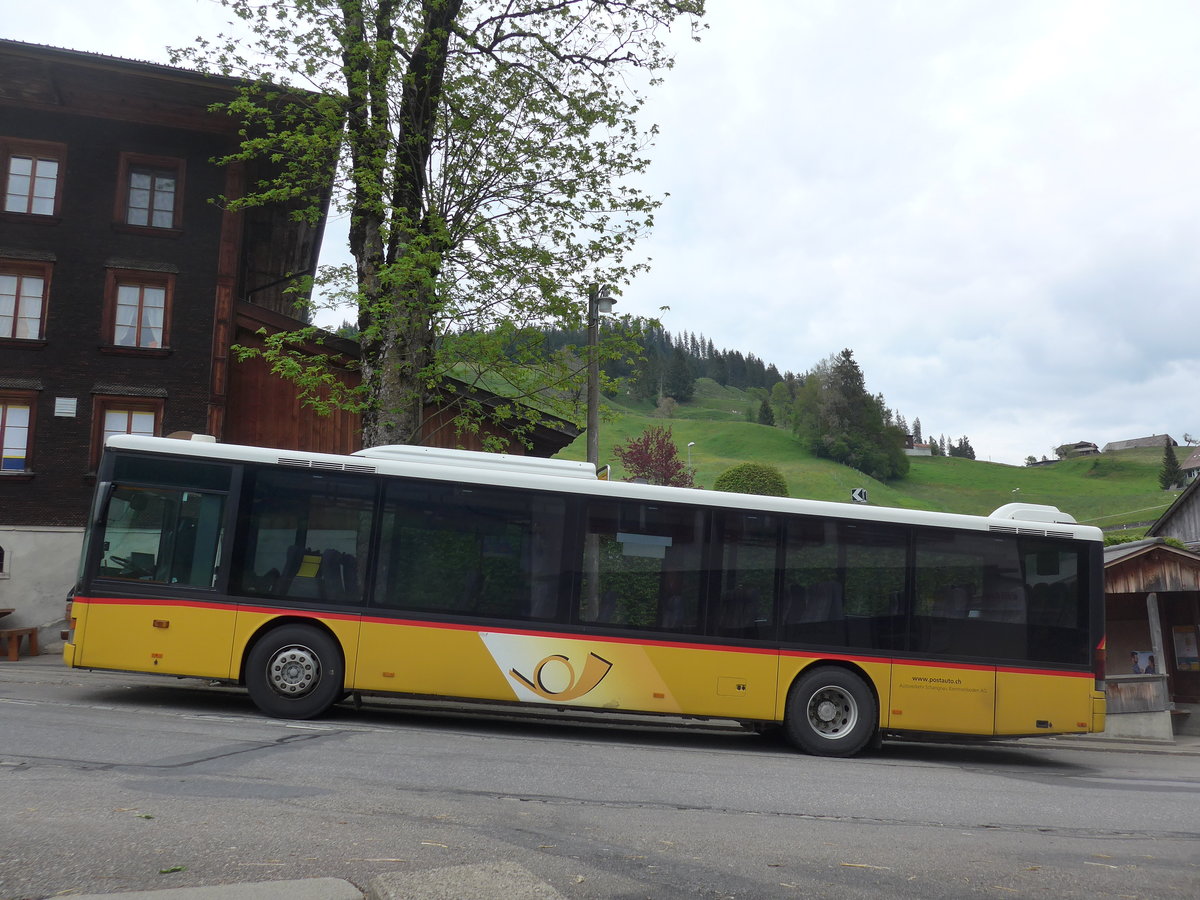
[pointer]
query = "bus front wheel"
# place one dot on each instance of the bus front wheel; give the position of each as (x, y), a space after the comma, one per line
(831, 712)
(294, 672)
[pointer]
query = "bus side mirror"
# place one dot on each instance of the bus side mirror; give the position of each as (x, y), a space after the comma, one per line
(103, 491)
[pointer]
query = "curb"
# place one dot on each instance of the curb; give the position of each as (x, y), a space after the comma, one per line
(482, 881)
(306, 889)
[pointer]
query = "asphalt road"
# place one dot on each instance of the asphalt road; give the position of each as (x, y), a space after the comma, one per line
(121, 782)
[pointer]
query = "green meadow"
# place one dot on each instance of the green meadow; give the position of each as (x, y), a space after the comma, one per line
(1114, 490)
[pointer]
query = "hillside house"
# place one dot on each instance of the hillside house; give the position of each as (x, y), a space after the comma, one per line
(1191, 466)
(1079, 448)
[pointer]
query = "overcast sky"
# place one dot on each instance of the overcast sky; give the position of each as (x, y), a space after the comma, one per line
(996, 206)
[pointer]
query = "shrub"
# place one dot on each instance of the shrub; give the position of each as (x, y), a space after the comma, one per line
(654, 456)
(752, 478)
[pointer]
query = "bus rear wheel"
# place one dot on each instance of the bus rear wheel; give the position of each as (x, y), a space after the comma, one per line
(831, 712)
(294, 672)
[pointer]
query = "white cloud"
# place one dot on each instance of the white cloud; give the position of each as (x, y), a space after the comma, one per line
(992, 204)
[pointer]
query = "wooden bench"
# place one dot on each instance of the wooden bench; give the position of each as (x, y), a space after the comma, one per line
(12, 638)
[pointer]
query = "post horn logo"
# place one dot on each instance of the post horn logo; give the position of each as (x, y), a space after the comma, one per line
(594, 670)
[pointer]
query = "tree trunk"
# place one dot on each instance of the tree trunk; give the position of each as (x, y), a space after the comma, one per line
(396, 313)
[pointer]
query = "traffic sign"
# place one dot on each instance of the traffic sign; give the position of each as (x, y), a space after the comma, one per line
(859, 495)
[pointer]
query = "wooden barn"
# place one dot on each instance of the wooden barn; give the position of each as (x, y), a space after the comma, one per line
(261, 409)
(1182, 518)
(1152, 607)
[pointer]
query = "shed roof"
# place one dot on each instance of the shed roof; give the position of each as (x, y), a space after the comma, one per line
(1154, 440)
(1186, 498)
(1150, 565)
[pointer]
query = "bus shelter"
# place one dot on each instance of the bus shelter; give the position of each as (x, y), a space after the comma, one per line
(1152, 605)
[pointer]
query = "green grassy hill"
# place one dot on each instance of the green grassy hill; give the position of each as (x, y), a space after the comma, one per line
(1111, 490)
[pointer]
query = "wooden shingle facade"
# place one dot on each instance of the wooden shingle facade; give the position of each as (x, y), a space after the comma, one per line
(118, 272)
(1182, 518)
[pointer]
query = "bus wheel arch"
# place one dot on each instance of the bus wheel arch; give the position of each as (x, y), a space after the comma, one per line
(832, 710)
(294, 669)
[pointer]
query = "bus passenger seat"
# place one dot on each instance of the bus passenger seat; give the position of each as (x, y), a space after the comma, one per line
(793, 604)
(608, 607)
(953, 602)
(677, 614)
(738, 611)
(823, 603)
(334, 579)
(291, 565)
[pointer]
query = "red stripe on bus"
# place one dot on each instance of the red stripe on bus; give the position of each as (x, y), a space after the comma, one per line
(420, 623)
(567, 635)
(842, 657)
(208, 604)
(1059, 673)
(563, 635)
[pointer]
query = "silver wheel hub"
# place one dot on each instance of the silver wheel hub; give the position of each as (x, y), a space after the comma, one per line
(293, 671)
(832, 712)
(826, 711)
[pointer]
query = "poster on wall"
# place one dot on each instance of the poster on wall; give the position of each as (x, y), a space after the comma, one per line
(1142, 662)
(1187, 658)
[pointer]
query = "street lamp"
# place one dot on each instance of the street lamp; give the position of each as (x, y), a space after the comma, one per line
(691, 444)
(599, 301)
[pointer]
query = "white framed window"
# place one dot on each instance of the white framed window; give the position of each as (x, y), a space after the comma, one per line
(23, 291)
(16, 431)
(32, 175)
(129, 421)
(123, 415)
(137, 309)
(140, 315)
(150, 192)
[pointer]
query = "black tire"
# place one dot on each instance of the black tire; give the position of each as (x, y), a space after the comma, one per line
(831, 712)
(295, 672)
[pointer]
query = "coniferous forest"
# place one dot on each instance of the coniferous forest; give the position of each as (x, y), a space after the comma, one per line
(827, 407)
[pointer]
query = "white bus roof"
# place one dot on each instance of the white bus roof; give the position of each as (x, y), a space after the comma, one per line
(535, 473)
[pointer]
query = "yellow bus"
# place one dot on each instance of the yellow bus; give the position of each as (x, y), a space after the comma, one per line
(308, 577)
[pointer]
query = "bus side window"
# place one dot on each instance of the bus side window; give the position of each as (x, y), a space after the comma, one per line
(641, 566)
(1058, 612)
(302, 536)
(814, 600)
(970, 596)
(845, 584)
(749, 547)
(471, 551)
